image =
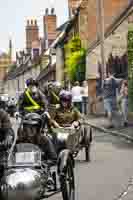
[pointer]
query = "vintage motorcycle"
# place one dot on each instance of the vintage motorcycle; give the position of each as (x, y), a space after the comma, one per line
(76, 139)
(29, 176)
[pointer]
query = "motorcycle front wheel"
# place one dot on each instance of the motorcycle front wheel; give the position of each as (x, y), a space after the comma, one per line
(67, 182)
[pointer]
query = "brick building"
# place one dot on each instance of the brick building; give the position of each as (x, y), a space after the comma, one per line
(49, 27)
(32, 34)
(116, 17)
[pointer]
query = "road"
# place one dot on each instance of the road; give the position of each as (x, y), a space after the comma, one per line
(108, 173)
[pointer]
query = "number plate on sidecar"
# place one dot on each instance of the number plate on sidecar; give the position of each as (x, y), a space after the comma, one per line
(25, 157)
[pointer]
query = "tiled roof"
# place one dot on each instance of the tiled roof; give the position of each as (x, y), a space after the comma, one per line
(19, 70)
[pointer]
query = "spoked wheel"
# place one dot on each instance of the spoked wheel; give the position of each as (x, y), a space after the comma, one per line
(67, 182)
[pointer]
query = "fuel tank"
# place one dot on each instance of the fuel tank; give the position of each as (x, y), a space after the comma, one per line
(22, 184)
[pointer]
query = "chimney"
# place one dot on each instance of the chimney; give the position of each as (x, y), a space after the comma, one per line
(49, 23)
(32, 33)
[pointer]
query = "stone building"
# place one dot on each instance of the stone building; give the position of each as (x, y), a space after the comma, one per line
(16, 78)
(5, 64)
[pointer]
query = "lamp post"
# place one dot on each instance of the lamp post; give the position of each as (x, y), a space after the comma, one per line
(100, 32)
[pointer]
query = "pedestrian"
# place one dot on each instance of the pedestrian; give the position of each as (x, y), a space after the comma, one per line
(124, 101)
(77, 96)
(85, 97)
(110, 85)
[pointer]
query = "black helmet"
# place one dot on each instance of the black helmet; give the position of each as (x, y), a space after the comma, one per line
(65, 96)
(31, 81)
(32, 119)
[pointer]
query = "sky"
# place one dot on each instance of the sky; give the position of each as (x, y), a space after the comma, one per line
(14, 14)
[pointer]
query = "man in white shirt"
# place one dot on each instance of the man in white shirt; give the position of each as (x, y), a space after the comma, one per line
(77, 96)
(85, 97)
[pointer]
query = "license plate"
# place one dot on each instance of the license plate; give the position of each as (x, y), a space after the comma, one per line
(25, 157)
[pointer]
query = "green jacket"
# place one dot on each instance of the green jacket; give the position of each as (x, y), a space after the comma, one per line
(66, 117)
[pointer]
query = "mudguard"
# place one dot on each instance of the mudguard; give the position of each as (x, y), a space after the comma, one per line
(63, 158)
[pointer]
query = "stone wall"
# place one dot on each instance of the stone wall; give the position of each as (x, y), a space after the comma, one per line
(116, 44)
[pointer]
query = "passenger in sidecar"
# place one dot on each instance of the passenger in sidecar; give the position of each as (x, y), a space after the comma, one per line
(66, 114)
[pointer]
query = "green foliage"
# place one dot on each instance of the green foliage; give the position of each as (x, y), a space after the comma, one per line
(130, 67)
(75, 60)
(12, 67)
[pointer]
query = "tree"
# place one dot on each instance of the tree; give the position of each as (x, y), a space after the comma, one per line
(75, 60)
(130, 66)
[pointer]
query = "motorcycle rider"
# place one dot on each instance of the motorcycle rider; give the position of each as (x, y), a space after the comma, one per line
(66, 114)
(54, 89)
(32, 100)
(32, 133)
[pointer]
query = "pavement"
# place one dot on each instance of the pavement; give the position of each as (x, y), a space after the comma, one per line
(100, 122)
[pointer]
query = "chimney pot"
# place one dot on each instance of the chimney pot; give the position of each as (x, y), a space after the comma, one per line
(28, 22)
(35, 22)
(46, 11)
(52, 11)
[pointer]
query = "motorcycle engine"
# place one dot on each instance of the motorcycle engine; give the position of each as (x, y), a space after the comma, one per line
(23, 184)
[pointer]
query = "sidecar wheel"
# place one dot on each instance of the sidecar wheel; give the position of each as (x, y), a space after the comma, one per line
(67, 182)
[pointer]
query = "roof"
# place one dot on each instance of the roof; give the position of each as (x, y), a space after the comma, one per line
(45, 71)
(19, 70)
(62, 26)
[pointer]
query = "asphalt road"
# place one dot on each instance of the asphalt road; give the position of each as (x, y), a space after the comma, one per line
(108, 174)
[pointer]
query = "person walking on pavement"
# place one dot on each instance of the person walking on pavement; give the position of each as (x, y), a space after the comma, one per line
(77, 96)
(85, 97)
(32, 100)
(110, 84)
(124, 101)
